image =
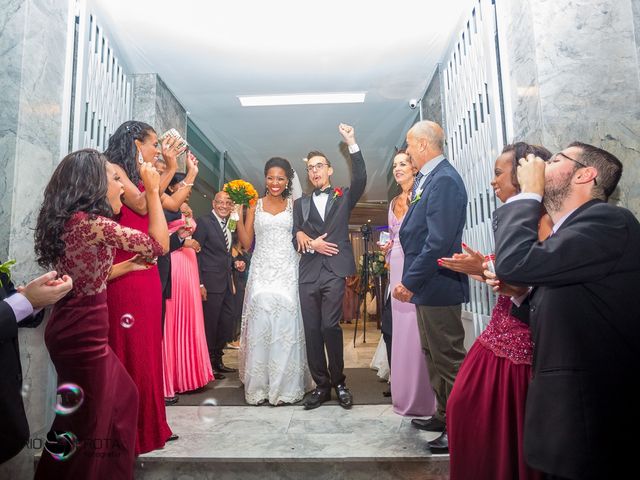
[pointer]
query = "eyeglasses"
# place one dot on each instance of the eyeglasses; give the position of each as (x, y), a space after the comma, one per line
(226, 203)
(317, 166)
(573, 160)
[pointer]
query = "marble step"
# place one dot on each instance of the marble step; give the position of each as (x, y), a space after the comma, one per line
(366, 442)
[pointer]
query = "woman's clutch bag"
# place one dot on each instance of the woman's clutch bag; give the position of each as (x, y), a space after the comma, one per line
(172, 132)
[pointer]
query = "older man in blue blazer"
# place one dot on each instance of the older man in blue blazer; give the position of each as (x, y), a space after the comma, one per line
(432, 229)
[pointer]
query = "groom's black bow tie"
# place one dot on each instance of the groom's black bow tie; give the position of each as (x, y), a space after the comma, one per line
(318, 191)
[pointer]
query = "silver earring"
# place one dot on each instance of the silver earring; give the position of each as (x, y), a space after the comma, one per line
(140, 159)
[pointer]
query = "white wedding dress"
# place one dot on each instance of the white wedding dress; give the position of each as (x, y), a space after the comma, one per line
(273, 357)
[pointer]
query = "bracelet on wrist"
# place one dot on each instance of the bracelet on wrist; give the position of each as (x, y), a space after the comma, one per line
(185, 184)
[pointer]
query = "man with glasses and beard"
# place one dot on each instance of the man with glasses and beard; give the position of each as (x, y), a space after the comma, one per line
(584, 311)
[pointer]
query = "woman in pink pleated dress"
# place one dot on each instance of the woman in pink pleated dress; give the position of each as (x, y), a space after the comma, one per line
(185, 356)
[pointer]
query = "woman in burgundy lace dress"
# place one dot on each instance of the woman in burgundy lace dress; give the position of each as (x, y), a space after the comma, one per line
(485, 411)
(77, 237)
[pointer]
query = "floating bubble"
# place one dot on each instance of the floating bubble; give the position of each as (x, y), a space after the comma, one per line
(69, 397)
(24, 391)
(61, 445)
(208, 410)
(127, 320)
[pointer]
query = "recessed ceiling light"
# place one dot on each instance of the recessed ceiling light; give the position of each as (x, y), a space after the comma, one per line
(301, 99)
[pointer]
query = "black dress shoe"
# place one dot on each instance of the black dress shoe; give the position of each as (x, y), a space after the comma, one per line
(440, 444)
(171, 400)
(430, 424)
(316, 398)
(222, 368)
(172, 437)
(386, 393)
(345, 399)
(218, 376)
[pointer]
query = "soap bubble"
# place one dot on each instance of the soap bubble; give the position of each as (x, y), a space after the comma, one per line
(61, 445)
(208, 410)
(127, 320)
(25, 390)
(69, 397)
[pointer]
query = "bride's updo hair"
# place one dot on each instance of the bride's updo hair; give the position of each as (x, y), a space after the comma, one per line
(284, 164)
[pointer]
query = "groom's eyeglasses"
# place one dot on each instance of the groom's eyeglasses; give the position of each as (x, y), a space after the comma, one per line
(317, 166)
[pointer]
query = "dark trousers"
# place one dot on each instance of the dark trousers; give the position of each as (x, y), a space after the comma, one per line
(386, 326)
(442, 339)
(321, 304)
(218, 323)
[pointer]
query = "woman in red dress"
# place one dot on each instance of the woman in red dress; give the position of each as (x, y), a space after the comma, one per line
(76, 235)
(136, 299)
(485, 411)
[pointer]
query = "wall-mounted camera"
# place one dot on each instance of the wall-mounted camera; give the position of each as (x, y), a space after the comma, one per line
(413, 103)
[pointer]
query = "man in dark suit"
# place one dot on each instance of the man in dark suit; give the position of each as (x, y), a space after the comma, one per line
(321, 232)
(216, 286)
(584, 312)
(432, 229)
(17, 310)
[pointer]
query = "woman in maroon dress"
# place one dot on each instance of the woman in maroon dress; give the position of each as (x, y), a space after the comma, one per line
(136, 299)
(485, 411)
(76, 235)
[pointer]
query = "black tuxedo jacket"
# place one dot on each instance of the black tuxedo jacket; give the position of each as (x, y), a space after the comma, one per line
(336, 225)
(214, 261)
(432, 229)
(585, 323)
(14, 429)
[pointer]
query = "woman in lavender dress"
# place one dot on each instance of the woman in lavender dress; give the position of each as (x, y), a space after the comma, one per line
(411, 390)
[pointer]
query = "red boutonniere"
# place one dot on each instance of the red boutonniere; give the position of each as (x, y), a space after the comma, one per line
(337, 193)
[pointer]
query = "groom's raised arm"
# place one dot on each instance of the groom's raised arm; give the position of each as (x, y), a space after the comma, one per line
(358, 169)
(358, 178)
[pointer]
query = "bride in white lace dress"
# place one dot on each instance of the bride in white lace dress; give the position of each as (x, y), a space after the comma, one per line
(273, 359)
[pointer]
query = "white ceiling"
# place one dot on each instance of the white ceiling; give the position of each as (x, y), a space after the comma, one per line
(209, 52)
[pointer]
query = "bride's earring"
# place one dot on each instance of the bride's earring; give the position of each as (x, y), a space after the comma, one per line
(140, 159)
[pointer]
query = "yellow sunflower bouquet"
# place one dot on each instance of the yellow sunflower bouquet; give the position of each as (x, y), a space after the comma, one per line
(241, 193)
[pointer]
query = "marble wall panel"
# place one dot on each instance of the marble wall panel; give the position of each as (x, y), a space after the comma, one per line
(144, 95)
(635, 11)
(520, 74)
(169, 112)
(572, 72)
(12, 19)
(432, 100)
(155, 104)
(33, 42)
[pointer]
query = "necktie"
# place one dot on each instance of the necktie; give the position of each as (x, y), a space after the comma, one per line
(416, 184)
(318, 191)
(225, 231)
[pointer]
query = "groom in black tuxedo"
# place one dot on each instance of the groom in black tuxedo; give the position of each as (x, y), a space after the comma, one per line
(321, 233)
